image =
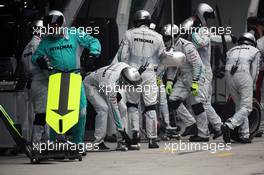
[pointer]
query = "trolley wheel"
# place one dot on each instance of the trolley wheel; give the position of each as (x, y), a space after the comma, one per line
(34, 160)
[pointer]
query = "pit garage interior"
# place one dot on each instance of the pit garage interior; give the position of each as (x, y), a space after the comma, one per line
(107, 20)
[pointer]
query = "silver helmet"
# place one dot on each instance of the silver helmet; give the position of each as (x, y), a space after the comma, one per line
(130, 76)
(172, 59)
(187, 24)
(142, 17)
(203, 12)
(247, 38)
(37, 27)
(38, 23)
(55, 17)
(166, 32)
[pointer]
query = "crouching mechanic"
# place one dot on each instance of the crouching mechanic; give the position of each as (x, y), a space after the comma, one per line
(242, 69)
(37, 83)
(190, 83)
(142, 45)
(63, 48)
(168, 59)
(103, 89)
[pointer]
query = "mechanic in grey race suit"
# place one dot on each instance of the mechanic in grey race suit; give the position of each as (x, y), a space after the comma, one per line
(142, 45)
(242, 69)
(260, 46)
(38, 84)
(164, 110)
(103, 91)
(190, 83)
(203, 39)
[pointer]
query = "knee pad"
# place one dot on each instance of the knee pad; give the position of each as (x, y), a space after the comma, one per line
(129, 105)
(174, 104)
(198, 108)
(40, 119)
(150, 108)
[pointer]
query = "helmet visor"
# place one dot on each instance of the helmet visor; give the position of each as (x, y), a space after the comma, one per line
(53, 20)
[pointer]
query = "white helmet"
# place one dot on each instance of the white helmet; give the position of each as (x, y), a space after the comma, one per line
(130, 76)
(172, 58)
(166, 32)
(203, 12)
(55, 17)
(247, 38)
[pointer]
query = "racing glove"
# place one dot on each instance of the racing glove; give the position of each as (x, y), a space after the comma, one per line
(169, 87)
(143, 68)
(195, 88)
(42, 63)
(158, 81)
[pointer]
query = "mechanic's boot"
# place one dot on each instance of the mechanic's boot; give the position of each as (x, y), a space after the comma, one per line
(125, 137)
(178, 128)
(190, 130)
(121, 146)
(173, 133)
(217, 134)
(226, 133)
(259, 133)
(153, 144)
(135, 141)
(244, 140)
(102, 147)
(198, 139)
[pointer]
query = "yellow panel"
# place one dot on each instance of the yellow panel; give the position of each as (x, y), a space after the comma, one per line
(53, 101)
(70, 119)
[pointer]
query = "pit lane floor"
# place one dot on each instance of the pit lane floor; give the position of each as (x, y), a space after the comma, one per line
(241, 159)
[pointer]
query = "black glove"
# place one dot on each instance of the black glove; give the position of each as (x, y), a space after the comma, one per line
(94, 56)
(118, 97)
(254, 94)
(143, 68)
(28, 86)
(42, 63)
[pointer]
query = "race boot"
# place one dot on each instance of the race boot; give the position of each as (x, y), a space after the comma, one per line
(190, 130)
(165, 136)
(217, 134)
(172, 133)
(135, 141)
(226, 133)
(103, 147)
(125, 137)
(198, 139)
(244, 140)
(153, 144)
(259, 133)
(121, 146)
